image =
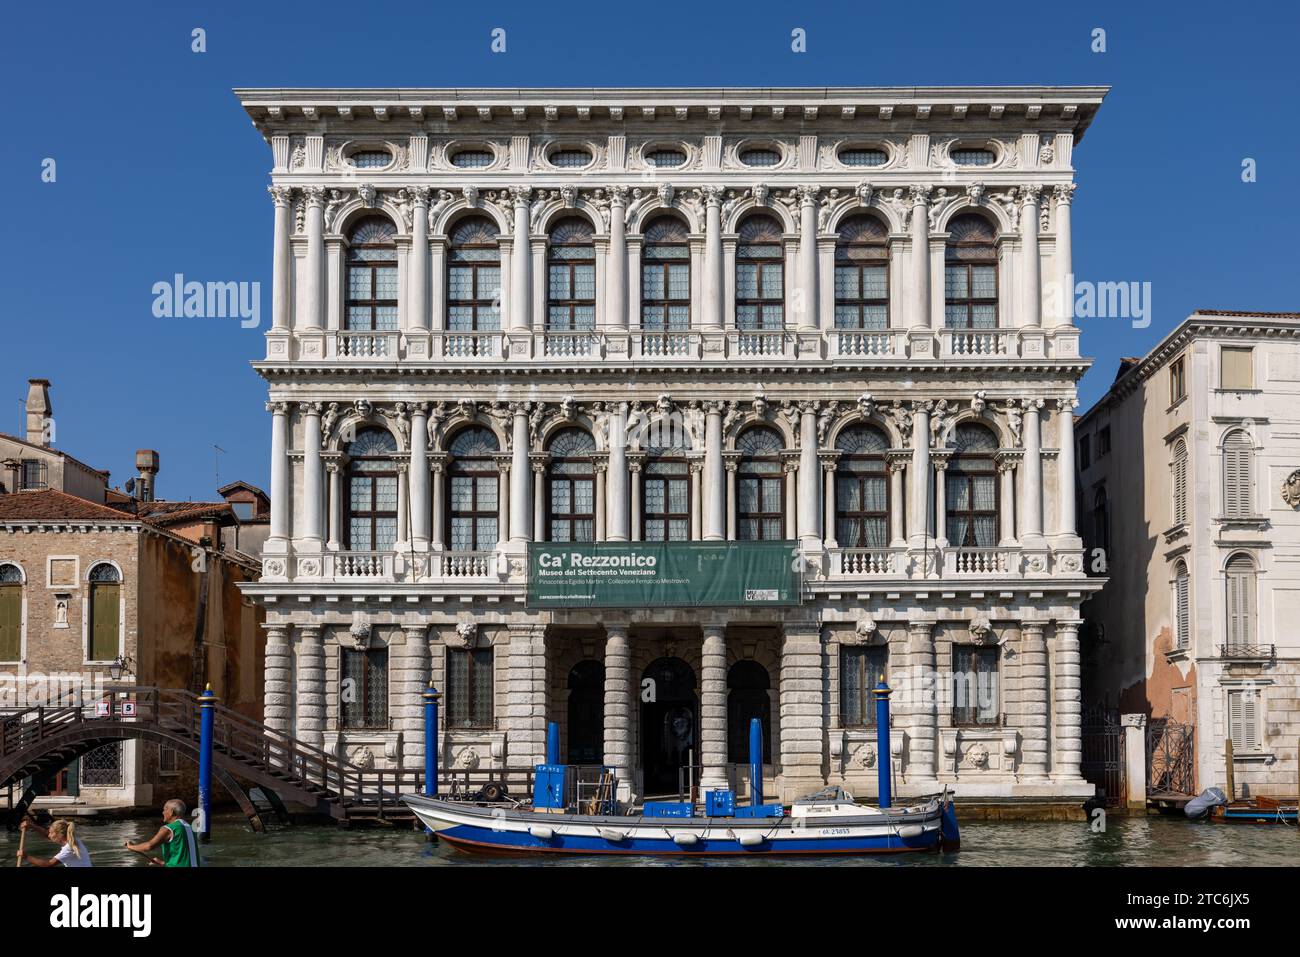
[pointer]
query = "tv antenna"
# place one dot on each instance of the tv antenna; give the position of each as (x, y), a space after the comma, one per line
(216, 463)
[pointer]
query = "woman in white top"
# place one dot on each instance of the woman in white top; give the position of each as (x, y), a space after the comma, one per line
(72, 853)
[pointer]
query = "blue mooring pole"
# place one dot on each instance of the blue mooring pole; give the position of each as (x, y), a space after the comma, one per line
(755, 761)
(553, 743)
(431, 697)
(884, 763)
(207, 703)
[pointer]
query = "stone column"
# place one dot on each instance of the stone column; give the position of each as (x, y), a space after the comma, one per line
(410, 678)
(829, 460)
(538, 463)
(921, 708)
(713, 709)
(520, 471)
(281, 262)
(920, 286)
(696, 466)
(1007, 499)
(310, 711)
(420, 500)
(418, 283)
(807, 312)
(714, 281)
(810, 533)
(1031, 484)
(1032, 279)
(802, 700)
(277, 696)
(897, 466)
(502, 460)
(618, 706)
(598, 466)
(1033, 705)
(1067, 753)
(1065, 478)
(634, 465)
(314, 294)
(313, 476)
(616, 268)
(617, 484)
(335, 469)
(521, 269)
(526, 697)
(714, 529)
(438, 536)
(920, 475)
(279, 532)
(1064, 315)
(940, 461)
(790, 467)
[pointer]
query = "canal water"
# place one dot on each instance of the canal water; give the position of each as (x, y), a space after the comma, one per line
(1126, 842)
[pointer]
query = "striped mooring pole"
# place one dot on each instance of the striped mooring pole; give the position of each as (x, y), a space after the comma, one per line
(207, 705)
(883, 761)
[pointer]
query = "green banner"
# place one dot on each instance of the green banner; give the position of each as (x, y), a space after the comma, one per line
(658, 574)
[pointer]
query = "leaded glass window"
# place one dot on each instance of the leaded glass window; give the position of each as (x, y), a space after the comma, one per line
(975, 698)
(571, 487)
(973, 157)
(760, 275)
(666, 276)
(571, 277)
(855, 156)
(370, 159)
(472, 159)
(972, 488)
(364, 689)
(861, 488)
(469, 687)
(760, 486)
(474, 277)
(862, 667)
(862, 274)
(760, 157)
(472, 506)
(666, 499)
(570, 158)
(970, 280)
(371, 520)
(372, 276)
(665, 158)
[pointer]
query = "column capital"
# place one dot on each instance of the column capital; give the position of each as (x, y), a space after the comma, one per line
(315, 196)
(712, 195)
(520, 195)
(939, 458)
(920, 196)
(713, 631)
(1064, 193)
(278, 408)
(309, 408)
(281, 195)
(539, 461)
(418, 195)
(808, 195)
(829, 459)
(1067, 405)
(920, 629)
(617, 195)
(1033, 629)
(616, 629)
(898, 459)
(1030, 195)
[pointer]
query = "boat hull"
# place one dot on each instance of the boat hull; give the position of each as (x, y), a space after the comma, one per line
(488, 830)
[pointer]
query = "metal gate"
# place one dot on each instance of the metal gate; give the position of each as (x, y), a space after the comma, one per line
(1171, 757)
(1103, 754)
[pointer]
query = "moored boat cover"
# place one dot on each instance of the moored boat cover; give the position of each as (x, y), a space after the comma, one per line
(1200, 805)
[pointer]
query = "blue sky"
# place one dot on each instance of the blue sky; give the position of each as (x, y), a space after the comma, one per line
(159, 170)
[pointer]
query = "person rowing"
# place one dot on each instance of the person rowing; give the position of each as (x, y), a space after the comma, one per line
(175, 838)
(72, 853)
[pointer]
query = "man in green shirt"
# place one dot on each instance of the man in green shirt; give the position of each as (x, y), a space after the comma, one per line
(175, 837)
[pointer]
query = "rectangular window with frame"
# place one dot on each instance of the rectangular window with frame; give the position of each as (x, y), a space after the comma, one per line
(862, 667)
(102, 768)
(1177, 381)
(975, 676)
(1103, 441)
(34, 476)
(168, 761)
(1243, 719)
(1085, 451)
(469, 688)
(364, 689)
(1236, 368)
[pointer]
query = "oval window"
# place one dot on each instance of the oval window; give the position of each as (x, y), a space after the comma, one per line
(570, 158)
(760, 157)
(665, 159)
(863, 157)
(371, 159)
(965, 157)
(472, 159)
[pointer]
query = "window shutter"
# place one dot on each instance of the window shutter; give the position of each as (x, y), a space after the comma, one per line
(1180, 483)
(1235, 730)
(1235, 371)
(1241, 601)
(11, 622)
(1250, 720)
(1182, 606)
(1237, 450)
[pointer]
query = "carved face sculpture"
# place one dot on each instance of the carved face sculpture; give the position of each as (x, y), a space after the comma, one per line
(1291, 489)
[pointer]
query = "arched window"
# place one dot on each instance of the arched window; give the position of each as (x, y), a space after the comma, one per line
(1241, 602)
(1179, 482)
(861, 488)
(105, 624)
(475, 483)
(760, 275)
(11, 613)
(571, 277)
(571, 487)
(1182, 605)
(972, 484)
(1237, 452)
(970, 284)
(586, 731)
(666, 276)
(371, 520)
(474, 277)
(862, 274)
(666, 496)
(1101, 520)
(760, 491)
(748, 697)
(372, 276)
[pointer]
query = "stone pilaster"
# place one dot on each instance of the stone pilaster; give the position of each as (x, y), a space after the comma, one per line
(803, 733)
(618, 706)
(309, 710)
(1033, 705)
(1067, 752)
(277, 696)
(713, 709)
(526, 697)
(410, 678)
(920, 712)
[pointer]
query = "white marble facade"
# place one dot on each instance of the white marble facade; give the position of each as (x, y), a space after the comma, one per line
(671, 294)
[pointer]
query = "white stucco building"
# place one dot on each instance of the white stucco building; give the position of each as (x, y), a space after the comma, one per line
(1190, 483)
(816, 316)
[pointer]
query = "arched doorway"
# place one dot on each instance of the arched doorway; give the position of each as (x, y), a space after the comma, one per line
(587, 713)
(668, 723)
(748, 697)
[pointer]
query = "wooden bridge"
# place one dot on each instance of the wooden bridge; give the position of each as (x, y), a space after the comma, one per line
(36, 743)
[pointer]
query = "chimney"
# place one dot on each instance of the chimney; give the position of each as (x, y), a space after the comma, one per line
(146, 462)
(40, 421)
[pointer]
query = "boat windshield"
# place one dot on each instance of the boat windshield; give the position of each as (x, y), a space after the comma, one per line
(828, 795)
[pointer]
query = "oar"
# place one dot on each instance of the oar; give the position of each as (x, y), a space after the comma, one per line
(22, 847)
(153, 861)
